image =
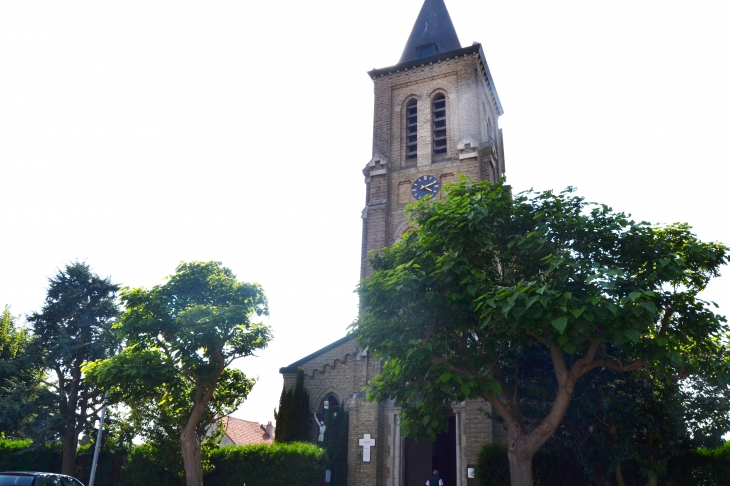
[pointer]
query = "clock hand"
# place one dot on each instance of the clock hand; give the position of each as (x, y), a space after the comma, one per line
(427, 188)
(428, 185)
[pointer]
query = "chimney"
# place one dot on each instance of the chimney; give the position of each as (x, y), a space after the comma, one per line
(270, 430)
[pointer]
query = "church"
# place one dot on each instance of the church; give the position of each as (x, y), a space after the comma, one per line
(436, 117)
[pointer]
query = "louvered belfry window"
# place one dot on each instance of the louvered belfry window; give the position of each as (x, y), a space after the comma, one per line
(412, 130)
(439, 124)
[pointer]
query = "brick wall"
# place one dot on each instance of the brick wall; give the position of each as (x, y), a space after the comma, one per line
(477, 428)
(469, 105)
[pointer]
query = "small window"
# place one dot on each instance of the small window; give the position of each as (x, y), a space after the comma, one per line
(412, 130)
(439, 124)
(330, 403)
(427, 50)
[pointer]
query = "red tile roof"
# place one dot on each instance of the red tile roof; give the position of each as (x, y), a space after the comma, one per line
(243, 432)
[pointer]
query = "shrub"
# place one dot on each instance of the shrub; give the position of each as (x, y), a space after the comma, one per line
(701, 467)
(108, 469)
(22, 455)
(145, 469)
(547, 469)
(292, 464)
(493, 466)
(552, 470)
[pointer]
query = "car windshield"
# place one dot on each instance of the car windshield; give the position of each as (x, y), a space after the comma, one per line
(15, 480)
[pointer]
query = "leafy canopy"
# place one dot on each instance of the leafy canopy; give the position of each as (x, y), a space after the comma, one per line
(23, 398)
(182, 336)
(487, 277)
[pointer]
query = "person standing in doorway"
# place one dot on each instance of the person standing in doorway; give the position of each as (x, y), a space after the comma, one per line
(435, 479)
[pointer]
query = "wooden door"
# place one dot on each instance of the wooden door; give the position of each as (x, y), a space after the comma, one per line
(418, 457)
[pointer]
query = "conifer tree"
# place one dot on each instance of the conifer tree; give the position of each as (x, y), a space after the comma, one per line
(74, 326)
(292, 419)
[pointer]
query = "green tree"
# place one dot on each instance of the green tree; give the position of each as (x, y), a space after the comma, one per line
(19, 378)
(293, 418)
(643, 418)
(13, 340)
(488, 278)
(74, 326)
(181, 338)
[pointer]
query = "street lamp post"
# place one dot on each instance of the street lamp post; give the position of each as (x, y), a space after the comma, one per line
(98, 441)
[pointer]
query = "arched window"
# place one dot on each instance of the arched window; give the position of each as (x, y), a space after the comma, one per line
(412, 130)
(439, 124)
(330, 403)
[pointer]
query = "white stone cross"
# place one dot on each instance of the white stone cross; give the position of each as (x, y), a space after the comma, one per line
(366, 443)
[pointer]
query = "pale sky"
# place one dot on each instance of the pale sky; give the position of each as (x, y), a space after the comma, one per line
(137, 134)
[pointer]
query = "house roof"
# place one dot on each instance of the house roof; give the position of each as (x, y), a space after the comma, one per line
(243, 432)
(433, 27)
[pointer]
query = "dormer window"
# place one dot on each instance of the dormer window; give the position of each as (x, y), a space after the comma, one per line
(427, 50)
(439, 124)
(412, 130)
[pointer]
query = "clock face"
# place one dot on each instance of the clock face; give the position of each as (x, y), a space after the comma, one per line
(424, 186)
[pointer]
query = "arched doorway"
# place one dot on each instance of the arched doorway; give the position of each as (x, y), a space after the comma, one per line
(337, 427)
(423, 456)
(330, 404)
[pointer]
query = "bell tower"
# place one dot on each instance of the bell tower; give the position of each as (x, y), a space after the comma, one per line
(436, 116)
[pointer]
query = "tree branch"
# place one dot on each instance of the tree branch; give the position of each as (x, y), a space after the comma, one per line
(614, 365)
(50, 384)
(561, 371)
(665, 320)
(579, 368)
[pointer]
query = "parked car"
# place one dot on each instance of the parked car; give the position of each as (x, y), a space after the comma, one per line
(22, 478)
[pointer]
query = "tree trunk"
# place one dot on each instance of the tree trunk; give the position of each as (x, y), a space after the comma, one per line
(191, 456)
(619, 475)
(70, 443)
(520, 468)
(190, 443)
(652, 479)
(71, 437)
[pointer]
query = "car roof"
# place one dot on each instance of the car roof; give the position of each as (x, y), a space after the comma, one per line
(35, 473)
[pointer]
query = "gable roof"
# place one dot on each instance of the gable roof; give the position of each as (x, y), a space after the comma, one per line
(433, 26)
(243, 432)
(294, 367)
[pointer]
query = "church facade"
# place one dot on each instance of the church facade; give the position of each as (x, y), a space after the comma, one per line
(436, 117)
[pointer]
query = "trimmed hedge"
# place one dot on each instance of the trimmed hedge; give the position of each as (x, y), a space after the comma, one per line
(21, 455)
(144, 469)
(292, 464)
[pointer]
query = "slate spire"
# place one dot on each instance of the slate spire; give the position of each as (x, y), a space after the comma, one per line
(433, 32)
